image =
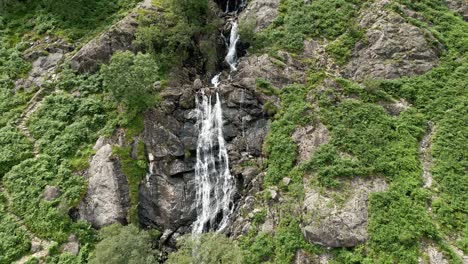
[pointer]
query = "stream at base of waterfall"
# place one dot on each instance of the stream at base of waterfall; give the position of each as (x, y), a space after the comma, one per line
(215, 186)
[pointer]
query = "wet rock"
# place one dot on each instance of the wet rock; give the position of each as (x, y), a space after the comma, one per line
(51, 193)
(395, 48)
(259, 14)
(333, 225)
(309, 139)
(107, 199)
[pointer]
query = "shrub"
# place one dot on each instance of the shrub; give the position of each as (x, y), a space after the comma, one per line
(206, 248)
(123, 245)
(130, 79)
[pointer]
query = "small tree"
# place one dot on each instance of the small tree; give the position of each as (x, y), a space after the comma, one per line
(123, 245)
(207, 248)
(130, 79)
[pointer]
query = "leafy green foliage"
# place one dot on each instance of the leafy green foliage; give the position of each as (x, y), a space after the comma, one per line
(280, 247)
(123, 245)
(206, 248)
(14, 241)
(299, 20)
(14, 148)
(130, 79)
(26, 182)
(64, 123)
(74, 19)
(341, 49)
(135, 171)
(186, 29)
(279, 146)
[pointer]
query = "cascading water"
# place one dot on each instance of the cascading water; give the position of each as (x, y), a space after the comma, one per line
(214, 182)
(231, 57)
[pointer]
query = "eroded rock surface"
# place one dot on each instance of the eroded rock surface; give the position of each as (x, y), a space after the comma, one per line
(118, 38)
(171, 132)
(459, 6)
(261, 13)
(331, 224)
(107, 200)
(309, 138)
(394, 47)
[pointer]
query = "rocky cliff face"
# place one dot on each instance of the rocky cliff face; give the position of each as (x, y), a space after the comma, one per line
(392, 48)
(167, 196)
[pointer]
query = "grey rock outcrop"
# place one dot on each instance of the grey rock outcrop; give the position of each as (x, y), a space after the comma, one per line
(118, 38)
(459, 6)
(394, 48)
(309, 138)
(168, 194)
(328, 224)
(261, 13)
(278, 72)
(107, 200)
(51, 192)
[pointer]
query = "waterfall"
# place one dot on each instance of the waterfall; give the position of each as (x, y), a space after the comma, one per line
(231, 57)
(215, 184)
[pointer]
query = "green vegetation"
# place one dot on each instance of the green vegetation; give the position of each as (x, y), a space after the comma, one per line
(130, 80)
(14, 242)
(186, 29)
(207, 248)
(14, 148)
(300, 20)
(280, 247)
(279, 146)
(135, 171)
(341, 48)
(123, 245)
(71, 19)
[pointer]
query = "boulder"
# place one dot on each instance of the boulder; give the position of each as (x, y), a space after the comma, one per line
(309, 139)
(261, 13)
(330, 224)
(118, 38)
(459, 6)
(107, 199)
(394, 47)
(51, 193)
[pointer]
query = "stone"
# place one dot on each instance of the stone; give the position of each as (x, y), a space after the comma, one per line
(277, 72)
(273, 194)
(51, 193)
(396, 107)
(459, 6)
(197, 84)
(286, 181)
(309, 139)
(36, 246)
(107, 199)
(332, 224)
(431, 254)
(72, 248)
(118, 38)
(260, 13)
(395, 47)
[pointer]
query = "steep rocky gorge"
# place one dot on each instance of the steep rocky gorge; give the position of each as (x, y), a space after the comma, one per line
(333, 218)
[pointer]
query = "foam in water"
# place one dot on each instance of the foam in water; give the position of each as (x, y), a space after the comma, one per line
(215, 184)
(231, 57)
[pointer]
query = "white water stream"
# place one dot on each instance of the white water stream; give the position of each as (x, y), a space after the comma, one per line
(215, 186)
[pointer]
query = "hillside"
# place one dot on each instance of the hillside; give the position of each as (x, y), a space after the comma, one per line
(234, 131)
